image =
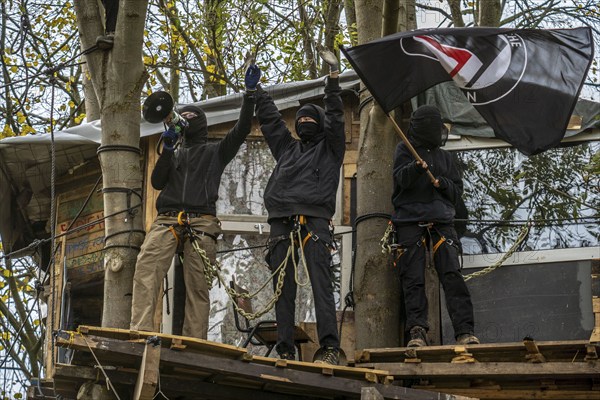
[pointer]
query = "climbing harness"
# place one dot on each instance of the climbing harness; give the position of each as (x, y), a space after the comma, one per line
(212, 270)
(387, 246)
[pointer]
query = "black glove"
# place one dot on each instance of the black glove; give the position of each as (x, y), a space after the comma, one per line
(169, 138)
(252, 77)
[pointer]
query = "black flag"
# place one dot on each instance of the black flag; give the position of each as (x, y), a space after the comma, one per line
(523, 82)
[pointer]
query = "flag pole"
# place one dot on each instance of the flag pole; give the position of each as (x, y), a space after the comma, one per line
(410, 146)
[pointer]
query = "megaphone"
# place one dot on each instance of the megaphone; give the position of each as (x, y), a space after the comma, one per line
(158, 107)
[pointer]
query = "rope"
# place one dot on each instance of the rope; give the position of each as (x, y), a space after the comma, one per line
(108, 382)
(522, 236)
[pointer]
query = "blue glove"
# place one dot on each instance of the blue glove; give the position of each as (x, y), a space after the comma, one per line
(252, 77)
(169, 138)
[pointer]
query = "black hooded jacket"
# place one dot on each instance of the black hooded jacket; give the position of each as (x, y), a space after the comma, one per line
(415, 198)
(189, 177)
(306, 177)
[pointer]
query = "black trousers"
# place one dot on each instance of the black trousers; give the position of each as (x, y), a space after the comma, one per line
(318, 260)
(412, 275)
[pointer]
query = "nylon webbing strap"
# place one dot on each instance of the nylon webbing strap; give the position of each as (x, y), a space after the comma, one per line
(438, 244)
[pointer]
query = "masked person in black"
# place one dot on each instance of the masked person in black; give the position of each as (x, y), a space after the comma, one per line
(188, 178)
(423, 218)
(300, 197)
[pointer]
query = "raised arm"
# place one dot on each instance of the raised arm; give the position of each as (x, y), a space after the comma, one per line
(273, 128)
(334, 108)
(229, 146)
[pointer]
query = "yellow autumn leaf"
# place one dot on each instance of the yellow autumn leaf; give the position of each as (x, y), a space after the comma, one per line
(163, 46)
(36, 322)
(14, 68)
(27, 129)
(72, 104)
(6, 273)
(20, 117)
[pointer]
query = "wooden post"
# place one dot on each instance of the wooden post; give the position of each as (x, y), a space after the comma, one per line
(148, 376)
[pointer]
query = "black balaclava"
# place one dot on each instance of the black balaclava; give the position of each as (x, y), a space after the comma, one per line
(426, 127)
(308, 131)
(197, 130)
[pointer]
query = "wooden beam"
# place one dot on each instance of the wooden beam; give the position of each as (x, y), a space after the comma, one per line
(498, 352)
(171, 384)
(506, 370)
(147, 381)
(519, 394)
(308, 382)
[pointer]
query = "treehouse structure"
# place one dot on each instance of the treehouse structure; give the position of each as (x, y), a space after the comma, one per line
(538, 316)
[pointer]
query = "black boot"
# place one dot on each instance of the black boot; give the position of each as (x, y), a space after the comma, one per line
(418, 336)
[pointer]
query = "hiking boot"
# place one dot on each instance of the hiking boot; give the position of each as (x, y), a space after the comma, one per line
(287, 356)
(329, 355)
(418, 336)
(106, 42)
(467, 338)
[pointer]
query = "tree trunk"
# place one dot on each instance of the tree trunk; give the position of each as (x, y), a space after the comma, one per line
(118, 76)
(376, 285)
(456, 13)
(490, 13)
(350, 12)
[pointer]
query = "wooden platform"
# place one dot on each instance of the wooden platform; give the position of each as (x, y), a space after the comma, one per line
(140, 364)
(566, 370)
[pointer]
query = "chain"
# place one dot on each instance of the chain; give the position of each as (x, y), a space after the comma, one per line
(522, 236)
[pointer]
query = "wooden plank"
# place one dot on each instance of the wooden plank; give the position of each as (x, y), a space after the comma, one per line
(514, 351)
(315, 383)
(505, 394)
(490, 370)
(351, 157)
(166, 339)
(335, 370)
(171, 385)
(148, 376)
(83, 220)
(533, 352)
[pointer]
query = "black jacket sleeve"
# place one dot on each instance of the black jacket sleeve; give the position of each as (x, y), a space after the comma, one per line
(160, 173)
(451, 184)
(406, 170)
(334, 117)
(273, 128)
(229, 146)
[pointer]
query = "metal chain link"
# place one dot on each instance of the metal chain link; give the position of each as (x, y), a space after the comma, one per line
(211, 271)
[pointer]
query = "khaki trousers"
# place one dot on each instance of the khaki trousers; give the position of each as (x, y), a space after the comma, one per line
(153, 263)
